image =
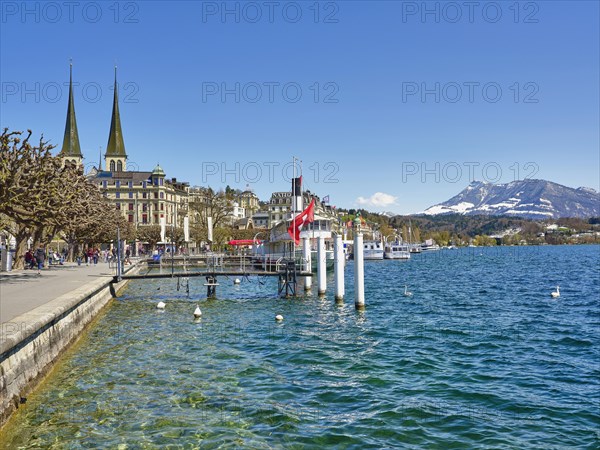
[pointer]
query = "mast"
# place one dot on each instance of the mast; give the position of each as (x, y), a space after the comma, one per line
(293, 205)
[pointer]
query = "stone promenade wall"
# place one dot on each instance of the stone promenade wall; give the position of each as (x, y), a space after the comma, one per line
(32, 342)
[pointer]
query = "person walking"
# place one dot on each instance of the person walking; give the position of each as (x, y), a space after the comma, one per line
(40, 257)
(29, 259)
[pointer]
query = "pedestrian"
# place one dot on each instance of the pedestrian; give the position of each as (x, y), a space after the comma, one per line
(29, 259)
(40, 257)
(96, 255)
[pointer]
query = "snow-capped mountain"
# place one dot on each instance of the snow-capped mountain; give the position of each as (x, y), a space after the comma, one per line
(534, 199)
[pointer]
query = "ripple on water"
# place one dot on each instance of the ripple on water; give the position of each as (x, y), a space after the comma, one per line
(479, 357)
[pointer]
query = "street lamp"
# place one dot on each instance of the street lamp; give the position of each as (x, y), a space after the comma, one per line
(255, 236)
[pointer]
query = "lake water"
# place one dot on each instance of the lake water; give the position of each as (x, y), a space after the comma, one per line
(479, 357)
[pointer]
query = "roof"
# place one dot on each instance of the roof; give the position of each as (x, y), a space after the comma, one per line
(71, 147)
(116, 145)
(125, 176)
(158, 171)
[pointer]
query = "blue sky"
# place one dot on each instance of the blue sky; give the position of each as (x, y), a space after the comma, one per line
(390, 105)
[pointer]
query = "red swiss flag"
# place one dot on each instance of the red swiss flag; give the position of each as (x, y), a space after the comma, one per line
(306, 216)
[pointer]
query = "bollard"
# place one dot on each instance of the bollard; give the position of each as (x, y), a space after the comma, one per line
(321, 268)
(338, 249)
(359, 272)
(306, 256)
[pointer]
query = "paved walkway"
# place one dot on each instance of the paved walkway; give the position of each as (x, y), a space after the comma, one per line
(23, 290)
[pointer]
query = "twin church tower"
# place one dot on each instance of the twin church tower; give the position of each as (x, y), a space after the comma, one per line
(115, 158)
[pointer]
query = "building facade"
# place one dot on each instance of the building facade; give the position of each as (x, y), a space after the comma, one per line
(143, 198)
(249, 201)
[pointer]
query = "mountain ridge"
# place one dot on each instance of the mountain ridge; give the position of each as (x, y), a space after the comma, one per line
(530, 198)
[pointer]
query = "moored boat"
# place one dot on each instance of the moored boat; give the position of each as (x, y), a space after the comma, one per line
(372, 250)
(396, 250)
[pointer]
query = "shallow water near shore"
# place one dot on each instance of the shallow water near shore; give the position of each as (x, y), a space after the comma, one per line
(479, 357)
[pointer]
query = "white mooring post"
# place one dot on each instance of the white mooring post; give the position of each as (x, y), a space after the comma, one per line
(338, 249)
(359, 272)
(307, 262)
(321, 268)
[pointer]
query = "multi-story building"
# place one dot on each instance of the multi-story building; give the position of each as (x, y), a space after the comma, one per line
(249, 201)
(142, 197)
(260, 219)
(280, 206)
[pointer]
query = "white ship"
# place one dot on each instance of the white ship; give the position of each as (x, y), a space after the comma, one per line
(372, 250)
(396, 250)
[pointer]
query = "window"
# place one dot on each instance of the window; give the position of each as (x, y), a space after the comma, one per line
(112, 166)
(119, 166)
(144, 184)
(162, 207)
(144, 218)
(117, 184)
(130, 184)
(131, 207)
(130, 218)
(118, 205)
(160, 181)
(145, 207)
(104, 184)
(131, 195)
(117, 195)
(162, 195)
(156, 195)
(143, 195)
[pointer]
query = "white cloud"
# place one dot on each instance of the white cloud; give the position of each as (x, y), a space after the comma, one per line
(378, 199)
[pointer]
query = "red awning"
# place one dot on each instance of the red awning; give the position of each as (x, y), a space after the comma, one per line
(243, 242)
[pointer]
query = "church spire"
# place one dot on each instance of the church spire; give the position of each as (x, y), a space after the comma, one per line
(116, 146)
(70, 149)
(115, 156)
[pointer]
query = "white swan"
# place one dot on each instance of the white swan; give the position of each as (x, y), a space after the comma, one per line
(197, 312)
(237, 281)
(556, 293)
(161, 305)
(278, 317)
(407, 293)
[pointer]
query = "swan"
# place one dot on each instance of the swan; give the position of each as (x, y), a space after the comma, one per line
(556, 293)
(237, 281)
(278, 317)
(197, 312)
(161, 305)
(407, 293)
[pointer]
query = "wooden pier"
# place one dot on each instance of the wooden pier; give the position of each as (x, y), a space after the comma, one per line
(287, 272)
(209, 273)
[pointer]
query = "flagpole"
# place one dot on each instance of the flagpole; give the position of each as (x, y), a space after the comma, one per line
(294, 205)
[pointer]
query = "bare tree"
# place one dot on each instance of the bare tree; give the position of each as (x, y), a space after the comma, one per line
(207, 203)
(41, 197)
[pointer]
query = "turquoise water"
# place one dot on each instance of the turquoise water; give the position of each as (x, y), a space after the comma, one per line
(479, 357)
